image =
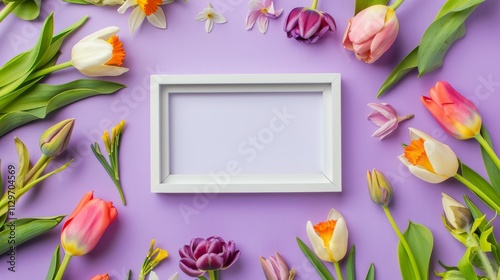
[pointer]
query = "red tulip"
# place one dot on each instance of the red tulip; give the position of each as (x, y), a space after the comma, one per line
(85, 226)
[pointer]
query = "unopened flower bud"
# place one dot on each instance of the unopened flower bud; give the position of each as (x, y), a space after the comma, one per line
(379, 187)
(458, 217)
(56, 138)
(104, 276)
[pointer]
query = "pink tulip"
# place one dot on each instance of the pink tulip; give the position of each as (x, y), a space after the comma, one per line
(454, 113)
(101, 277)
(308, 25)
(386, 118)
(371, 32)
(85, 226)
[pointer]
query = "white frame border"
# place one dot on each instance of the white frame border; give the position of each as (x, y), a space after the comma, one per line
(328, 83)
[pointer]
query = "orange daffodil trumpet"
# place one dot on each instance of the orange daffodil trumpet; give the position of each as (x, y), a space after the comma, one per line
(149, 9)
(99, 54)
(455, 114)
(429, 159)
(372, 32)
(329, 238)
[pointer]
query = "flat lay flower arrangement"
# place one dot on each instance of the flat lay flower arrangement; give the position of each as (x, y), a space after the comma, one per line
(27, 94)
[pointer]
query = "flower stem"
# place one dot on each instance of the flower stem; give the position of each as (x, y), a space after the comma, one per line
(489, 150)
(337, 269)
(41, 161)
(49, 70)
(62, 268)
(404, 242)
(396, 4)
(8, 9)
(211, 274)
(482, 256)
(314, 4)
(407, 117)
(491, 203)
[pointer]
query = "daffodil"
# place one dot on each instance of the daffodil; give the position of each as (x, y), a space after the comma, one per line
(149, 9)
(209, 15)
(99, 54)
(329, 238)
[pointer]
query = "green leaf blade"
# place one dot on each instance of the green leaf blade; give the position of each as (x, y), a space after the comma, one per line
(320, 267)
(351, 264)
(371, 273)
(404, 67)
(55, 263)
(421, 242)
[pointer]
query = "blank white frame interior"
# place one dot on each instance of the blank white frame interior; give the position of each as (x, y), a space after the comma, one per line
(328, 181)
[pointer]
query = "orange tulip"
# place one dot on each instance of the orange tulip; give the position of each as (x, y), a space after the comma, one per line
(85, 226)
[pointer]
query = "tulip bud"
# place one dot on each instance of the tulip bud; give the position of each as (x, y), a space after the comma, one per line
(458, 217)
(55, 139)
(275, 268)
(379, 187)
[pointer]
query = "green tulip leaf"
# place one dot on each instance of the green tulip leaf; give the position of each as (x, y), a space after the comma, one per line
(483, 185)
(28, 9)
(491, 168)
(351, 264)
(363, 4)
(320, 267)
(404, 67)
(24, 162)
(451, 275)
(55, 263)
(56, 96)
(421, 242)
(371, 273)
(27, 229)
(442, 33)
(465, 266)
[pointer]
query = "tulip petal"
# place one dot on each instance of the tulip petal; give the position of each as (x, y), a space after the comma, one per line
(442, 158)
(255, 6)
(89, 53)
(293, 18)
(210, 261)
(416, 134)
(338, 243)
(309, 23)
(158, 19)
(367, 23)
(386, 129)
(346, 42)
(136, 18)
(153, 276)
(268, 268)
(383, 40)
(334, 215)
(103, 34)
(385, 109)
(317, 243)
(188, 266)
(377, 118)
(88, 196)
(426, 175)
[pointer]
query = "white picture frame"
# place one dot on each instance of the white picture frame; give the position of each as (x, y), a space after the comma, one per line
(328, 84)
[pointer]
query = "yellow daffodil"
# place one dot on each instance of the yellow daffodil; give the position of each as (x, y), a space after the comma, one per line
(99, 54)
(329, 239)
(149, 9)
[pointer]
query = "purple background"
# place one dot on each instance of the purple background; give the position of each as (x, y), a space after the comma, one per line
(260, 224)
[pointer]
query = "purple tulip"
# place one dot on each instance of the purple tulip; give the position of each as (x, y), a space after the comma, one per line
(308, 25)
(203, 255)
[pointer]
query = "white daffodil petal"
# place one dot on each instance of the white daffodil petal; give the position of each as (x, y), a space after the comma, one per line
(175, 277)
(136, 18)
(90, 53)
(404, 160)
(158, 19)
(415, 134)
(426, 175)
(338, 243)
(103, 34)
(209, 24)
(334, 215)
(442, 158)
(218, 18)
(153, 276)
(317, 243)
(103, 70)
(126, 5)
